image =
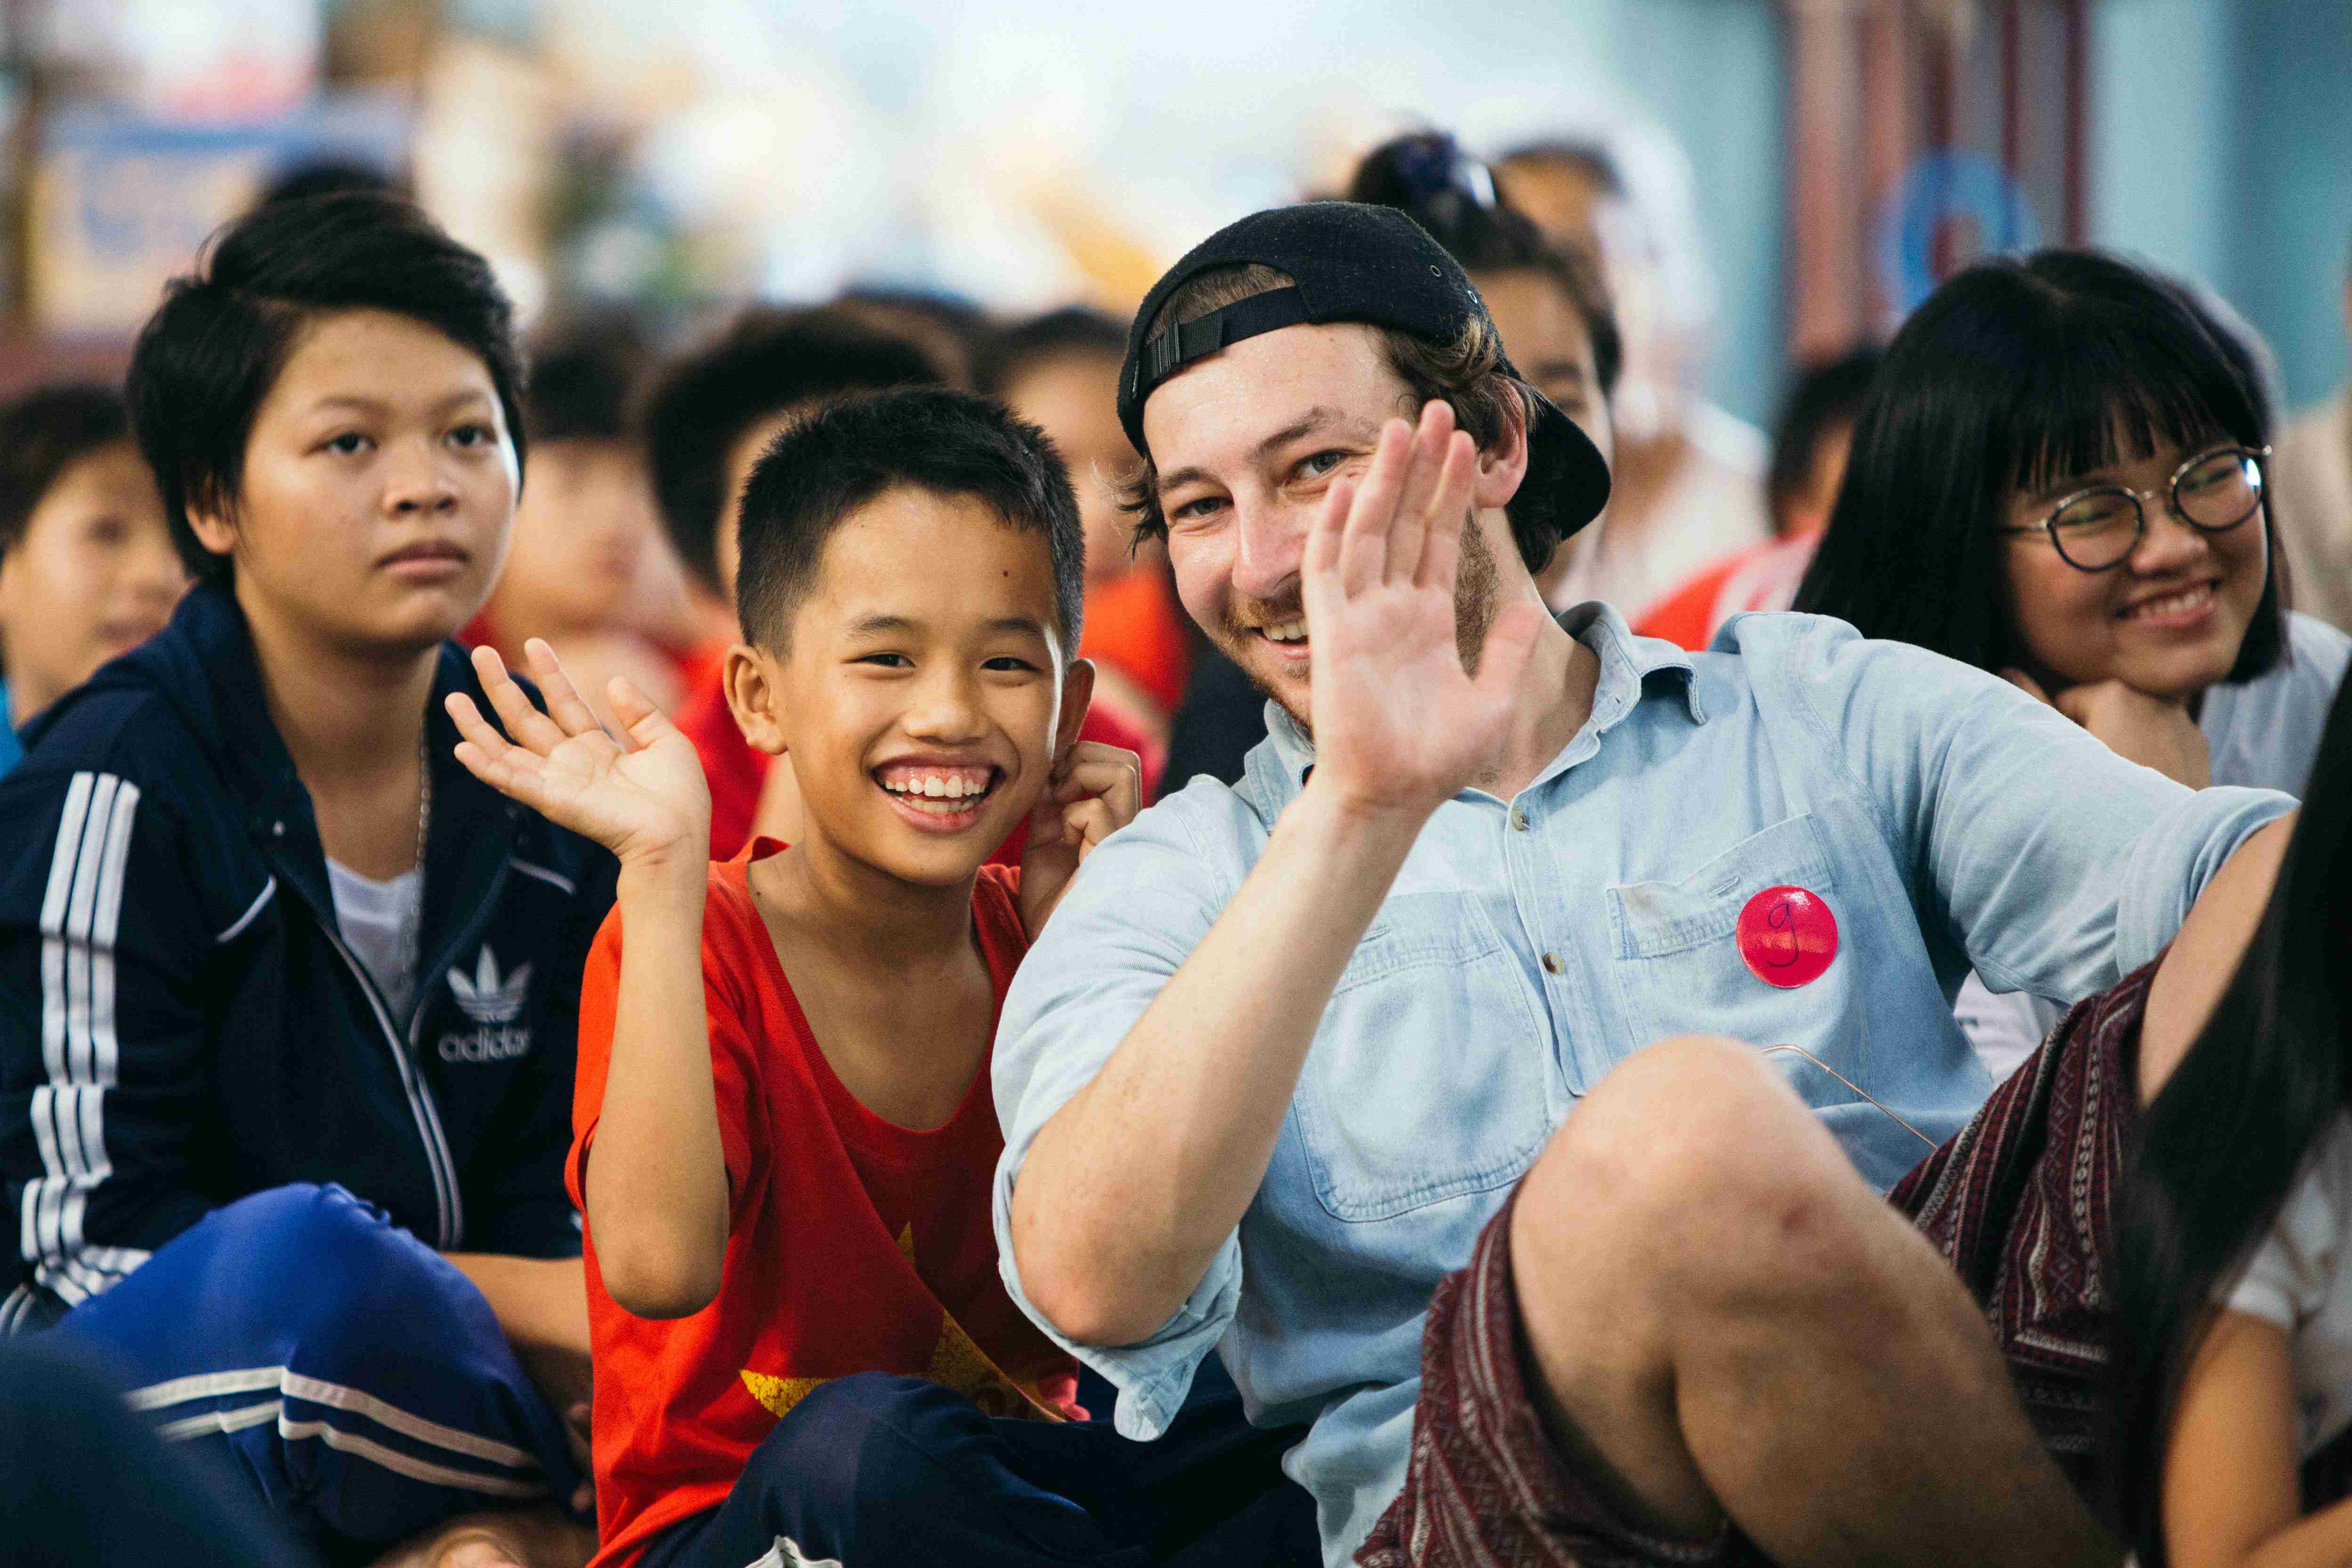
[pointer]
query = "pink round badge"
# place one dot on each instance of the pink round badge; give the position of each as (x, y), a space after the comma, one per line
(1788, 936)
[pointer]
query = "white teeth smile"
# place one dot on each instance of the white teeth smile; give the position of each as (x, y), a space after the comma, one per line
(1288, 631)
(2180, 604)
(940, 791)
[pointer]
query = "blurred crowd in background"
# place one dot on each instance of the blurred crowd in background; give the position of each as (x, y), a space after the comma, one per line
(1735, 199)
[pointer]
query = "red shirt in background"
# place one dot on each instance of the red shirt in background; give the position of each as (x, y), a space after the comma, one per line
(853, 1245)
(1134, 623)
(1762, 577)
(738, 770)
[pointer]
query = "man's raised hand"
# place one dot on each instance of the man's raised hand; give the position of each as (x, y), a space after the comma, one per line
(642, 796)
(1399, 725)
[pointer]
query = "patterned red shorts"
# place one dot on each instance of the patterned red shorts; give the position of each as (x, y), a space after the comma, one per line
(2019, 1202)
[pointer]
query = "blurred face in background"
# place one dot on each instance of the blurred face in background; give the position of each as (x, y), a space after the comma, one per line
(581, 535)
(1568, 201)
(378, 491)
(1074, 398)
(1546, 337)
(94, 575)
(741, 458)
(1807, 510)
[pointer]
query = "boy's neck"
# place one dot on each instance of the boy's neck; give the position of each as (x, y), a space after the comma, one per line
(346, 717)
(863, 915)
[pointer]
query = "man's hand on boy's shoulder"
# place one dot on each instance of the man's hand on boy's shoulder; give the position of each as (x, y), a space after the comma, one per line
(641, 795)
(1096, 791)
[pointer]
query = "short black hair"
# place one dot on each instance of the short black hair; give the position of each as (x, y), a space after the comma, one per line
(2015, 373)
(815, 475)
(1827, 394)
(765, 361)
(42, 433)
(1014, 352)
(583, 376)
(1427, 177)
(213, 350)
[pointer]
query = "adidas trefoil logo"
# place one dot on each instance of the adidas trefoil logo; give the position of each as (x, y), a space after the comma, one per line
(485, 997)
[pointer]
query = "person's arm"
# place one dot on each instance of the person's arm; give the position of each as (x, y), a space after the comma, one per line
(103, 1049)
(2053, 865)
(655, 1190)
(2155, 732)
(2231, 1475)
(1129, 1191)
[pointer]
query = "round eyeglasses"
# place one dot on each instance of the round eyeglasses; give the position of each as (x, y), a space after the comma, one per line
(2097, 530)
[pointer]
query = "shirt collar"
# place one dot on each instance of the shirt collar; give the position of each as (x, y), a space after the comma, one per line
(1627, 662)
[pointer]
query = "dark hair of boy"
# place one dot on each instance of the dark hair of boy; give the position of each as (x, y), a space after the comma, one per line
(1010, 353)
(2221, 1147)
(1827, 394)
(2014, 374)
(583, 377)
(42, 433)
(951, 331)
(767, 360)
(328, 177)
(213, 350)
(1428, 177)
(816, 474)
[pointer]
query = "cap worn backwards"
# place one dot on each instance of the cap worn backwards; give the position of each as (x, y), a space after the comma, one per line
(1348, 262)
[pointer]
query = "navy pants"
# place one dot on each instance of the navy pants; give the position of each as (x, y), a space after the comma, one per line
(351, 1373)
(876, 1471)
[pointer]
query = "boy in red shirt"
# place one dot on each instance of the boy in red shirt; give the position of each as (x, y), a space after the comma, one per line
(785, 1131)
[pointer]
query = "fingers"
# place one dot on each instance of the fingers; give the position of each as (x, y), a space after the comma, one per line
(486, 754)
(525, 723)
(641, 722)
(1440, 558)
(563, 700)
(1364, 544)
(1107, 773)
(1087, 825)
(1431, 445)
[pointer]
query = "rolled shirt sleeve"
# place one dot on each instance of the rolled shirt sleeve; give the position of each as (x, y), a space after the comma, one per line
(1139, 906)
(2057, 867)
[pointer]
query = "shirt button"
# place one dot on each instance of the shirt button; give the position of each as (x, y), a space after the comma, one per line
(1552, 965)
(1518, 820)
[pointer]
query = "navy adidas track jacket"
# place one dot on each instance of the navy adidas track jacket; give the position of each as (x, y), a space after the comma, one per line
(181, 1022)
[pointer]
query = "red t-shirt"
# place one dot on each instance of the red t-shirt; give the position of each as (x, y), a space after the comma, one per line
(738, 770)
(853, 1245)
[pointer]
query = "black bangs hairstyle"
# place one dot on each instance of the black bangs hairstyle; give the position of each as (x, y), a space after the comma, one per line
(765, 361)
(43, 433)
(2014, 375)
(1428, 176)
(213, 350)
(815, 474)
(2219, 1149)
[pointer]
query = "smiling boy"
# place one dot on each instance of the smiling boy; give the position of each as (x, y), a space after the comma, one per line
(785, 1129)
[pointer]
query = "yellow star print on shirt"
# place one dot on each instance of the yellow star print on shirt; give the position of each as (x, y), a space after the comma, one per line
(958, 1363)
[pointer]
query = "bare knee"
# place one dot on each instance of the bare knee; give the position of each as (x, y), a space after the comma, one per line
(1691, 1158)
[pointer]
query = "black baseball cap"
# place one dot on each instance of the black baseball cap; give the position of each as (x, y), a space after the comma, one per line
(1351, 262)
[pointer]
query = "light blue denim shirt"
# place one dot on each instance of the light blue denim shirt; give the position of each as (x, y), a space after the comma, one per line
(1529, 945)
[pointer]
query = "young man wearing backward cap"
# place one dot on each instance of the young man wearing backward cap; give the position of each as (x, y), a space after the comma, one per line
(1294, 1053)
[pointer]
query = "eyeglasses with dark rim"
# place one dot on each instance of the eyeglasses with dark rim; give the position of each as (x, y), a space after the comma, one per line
(2096, 528)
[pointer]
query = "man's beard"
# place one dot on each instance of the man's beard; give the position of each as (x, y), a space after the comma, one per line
(1476, 589)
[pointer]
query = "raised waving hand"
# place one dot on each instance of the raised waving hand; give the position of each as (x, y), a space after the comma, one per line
(641, 796)
(1399, 725)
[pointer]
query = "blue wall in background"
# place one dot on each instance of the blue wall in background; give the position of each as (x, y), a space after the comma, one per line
(2222, 148)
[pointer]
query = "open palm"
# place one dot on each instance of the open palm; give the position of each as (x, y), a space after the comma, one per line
(642, 796)
(1399, 723)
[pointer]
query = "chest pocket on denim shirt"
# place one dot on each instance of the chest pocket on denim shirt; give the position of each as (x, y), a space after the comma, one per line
(1428, 1077)
(1681, 973)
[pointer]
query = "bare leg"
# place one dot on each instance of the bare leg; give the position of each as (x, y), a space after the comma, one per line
(1723, 1317)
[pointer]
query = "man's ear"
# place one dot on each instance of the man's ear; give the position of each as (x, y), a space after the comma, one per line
(1077, 696)
(754, 695)
(1503, 464)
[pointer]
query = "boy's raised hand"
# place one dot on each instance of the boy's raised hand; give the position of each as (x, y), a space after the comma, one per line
(1399, 725)
(643, 796)
(1096, 791)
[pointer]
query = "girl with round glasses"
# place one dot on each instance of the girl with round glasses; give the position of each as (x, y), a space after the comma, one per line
(2058, 477)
